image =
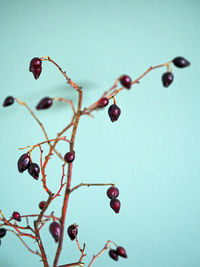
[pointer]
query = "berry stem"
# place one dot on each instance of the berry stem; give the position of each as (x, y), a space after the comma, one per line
(68, 101)
(83, 184)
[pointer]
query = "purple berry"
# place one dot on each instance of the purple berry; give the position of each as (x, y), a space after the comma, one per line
(113, 254)
(55, 229)
(8, 101)
(72, 231)
(37, 72)
(103, 102)
(35, 64)
(121, 252)
(114, 112)
(23, 162)
(113, 192)
(69, 157)
(2, 232)
(115, 205)
(126, 81)
(167, 78)
(16, 216)
(181, 62)
(34, 170)
(45, 103)
(42, 204)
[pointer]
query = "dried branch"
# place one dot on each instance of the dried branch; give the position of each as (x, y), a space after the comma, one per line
(83, 184)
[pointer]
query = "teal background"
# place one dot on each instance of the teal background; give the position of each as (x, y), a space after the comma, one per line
(151, 152)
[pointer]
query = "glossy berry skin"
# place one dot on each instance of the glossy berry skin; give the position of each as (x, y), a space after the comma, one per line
(181, 62)
(34, 170)
(55, 229)
(42, 204)
(2, 232)
(23, 162)
(113, 254)
(72, 231)
(112, 192)
(45, 103)
(103, 102)
(115, 205)
(121, 252)
(35, 67)
(8, 101)
(126, 81)
(167, 79)
(16, 216)
(69, 157)
(114, 112)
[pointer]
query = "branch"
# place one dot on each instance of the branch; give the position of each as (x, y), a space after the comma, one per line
(83, 184)
(70, 102)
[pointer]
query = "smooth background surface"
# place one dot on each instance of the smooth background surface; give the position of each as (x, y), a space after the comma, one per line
(151, 152)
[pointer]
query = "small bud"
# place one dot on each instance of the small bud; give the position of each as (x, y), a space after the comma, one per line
(8, 101)
(34, 170)
(114, 112)
(72, 231)
(115, 205)
(16, 216)
(44, 103)
(113, 254)
(181, 62)
(126, 81)
(167, 78)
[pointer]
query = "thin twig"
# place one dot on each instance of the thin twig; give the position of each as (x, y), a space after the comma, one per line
(83, 184)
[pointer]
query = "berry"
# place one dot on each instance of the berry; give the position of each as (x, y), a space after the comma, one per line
(167, 78)
(181, 62)
(35, 67)
(16, 216)
(115, 205)
(121, 252)
(103, 102)
(2, 232)
(72, 231)
(113, 192)
(69, 157)
(34, 170)
(113, 254)
(126, 81)
(8, 101)
(45, 103)
(114, 112)
(23, 162)
(55, 229)
(42, 204)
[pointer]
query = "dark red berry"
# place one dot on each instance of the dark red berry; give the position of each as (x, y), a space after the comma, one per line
(42, 204)
(181, 62)
(115, 205)
(34, 170)
(113, 192)
(8, 101)
(2, 232)
(113, 254)
(23, 162)
(37, 72)
(54, 229)
(16, 216)
(72, 231)
(126, 81)
(69, 157)
(103, 102)
(45, 103)
(114, 112)
(121, 252)
(35, 64)
(167, 78)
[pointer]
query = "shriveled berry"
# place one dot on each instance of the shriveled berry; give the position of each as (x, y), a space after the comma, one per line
(8, 101)
(35, 64)
(37, 72)
(34, 170)
(2, 232)
(55, 229)
(112, 192)
(114, 112)
(72, 231)
(103, 102)
(121, 252)
(16, 216)
(45, 103)
(167, 78)
(113, 254)
(115, 205)
(181, 62)
(23, 162)
(126, 81)
(69, 157)
(42, 204)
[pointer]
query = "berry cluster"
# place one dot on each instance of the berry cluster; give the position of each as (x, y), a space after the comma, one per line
(113, 193)
(36, 67)
(114, 253)
(25, 163)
